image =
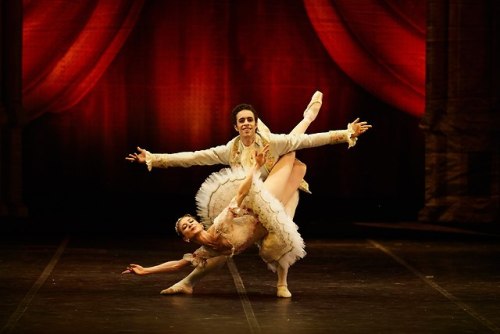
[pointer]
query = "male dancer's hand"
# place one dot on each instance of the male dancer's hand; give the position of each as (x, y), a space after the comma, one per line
(359, 127)
(137, 157)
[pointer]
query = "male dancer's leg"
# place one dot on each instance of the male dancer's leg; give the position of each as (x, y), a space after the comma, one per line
(276, 184)
(282, 285)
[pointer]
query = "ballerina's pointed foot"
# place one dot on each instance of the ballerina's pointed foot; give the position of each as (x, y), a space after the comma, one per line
(283, 292)
(178, 289)
(313, 107)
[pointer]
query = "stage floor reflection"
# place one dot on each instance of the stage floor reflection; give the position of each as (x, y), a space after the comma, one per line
(379, 278)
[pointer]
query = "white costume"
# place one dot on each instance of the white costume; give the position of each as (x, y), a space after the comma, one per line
(235, 154)
(260, 220)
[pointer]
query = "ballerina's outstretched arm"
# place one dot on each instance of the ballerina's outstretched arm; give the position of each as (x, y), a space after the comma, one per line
(166, 267)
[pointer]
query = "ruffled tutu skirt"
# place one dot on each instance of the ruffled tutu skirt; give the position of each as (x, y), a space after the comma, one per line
(283, 244)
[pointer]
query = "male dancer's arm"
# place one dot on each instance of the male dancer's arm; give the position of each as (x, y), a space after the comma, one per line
(212, 156)
(282, 144)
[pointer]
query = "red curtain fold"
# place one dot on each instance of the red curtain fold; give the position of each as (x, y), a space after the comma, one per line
(379, 44)
(67, 46)
(184, 65)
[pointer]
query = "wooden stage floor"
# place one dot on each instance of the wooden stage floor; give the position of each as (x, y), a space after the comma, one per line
(378, 278)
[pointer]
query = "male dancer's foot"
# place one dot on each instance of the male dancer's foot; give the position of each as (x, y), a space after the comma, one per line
(178, 288)
(283, 292)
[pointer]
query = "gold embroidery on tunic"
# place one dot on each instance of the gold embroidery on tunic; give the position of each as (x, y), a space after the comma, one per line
(246, 159)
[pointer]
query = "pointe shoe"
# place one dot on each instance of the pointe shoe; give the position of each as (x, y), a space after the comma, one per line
(313, 107)
(283, 292)
(178, 288)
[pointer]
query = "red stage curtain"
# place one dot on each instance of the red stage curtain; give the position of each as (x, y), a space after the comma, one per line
(380, 44)
(67, 46)
(101, 77)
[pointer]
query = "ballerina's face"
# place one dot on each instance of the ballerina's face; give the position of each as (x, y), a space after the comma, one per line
(188, 227)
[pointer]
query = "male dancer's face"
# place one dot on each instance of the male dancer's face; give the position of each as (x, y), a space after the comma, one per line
(245, 124)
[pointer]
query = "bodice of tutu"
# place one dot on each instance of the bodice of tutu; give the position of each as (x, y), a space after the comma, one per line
(267, 224)
(238, 226)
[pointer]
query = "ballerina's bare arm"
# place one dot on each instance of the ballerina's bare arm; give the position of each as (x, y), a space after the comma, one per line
(166, 267)
(260, 159)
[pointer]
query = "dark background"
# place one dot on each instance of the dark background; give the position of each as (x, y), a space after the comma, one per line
(93, 80)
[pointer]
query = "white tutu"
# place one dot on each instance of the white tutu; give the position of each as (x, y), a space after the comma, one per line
(283, 243)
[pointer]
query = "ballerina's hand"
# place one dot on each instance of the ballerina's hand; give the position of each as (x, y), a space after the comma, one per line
(260, 157)
(134, 269)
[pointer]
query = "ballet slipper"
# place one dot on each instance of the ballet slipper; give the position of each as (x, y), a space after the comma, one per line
(283, 291)
(313, 107)
(178, 288)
